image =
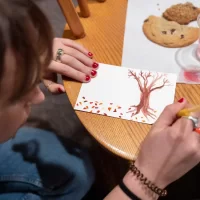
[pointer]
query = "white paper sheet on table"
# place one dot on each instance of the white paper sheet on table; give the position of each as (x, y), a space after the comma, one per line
(138, 51)
(115, 92)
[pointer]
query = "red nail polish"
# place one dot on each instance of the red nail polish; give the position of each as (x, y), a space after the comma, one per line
(93, 73)
(181, 100)
(197, 130)
(87, 78)
(90, 54)
(95, 65)
(60, 91)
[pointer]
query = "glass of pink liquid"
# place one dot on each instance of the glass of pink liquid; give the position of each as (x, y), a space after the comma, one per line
(188, 58)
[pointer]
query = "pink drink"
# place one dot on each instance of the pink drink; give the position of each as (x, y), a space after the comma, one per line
(188, 58)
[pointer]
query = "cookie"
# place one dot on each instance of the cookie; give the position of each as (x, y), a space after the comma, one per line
(182, 13)
(169, 33)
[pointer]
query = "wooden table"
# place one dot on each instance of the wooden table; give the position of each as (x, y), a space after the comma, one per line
(105, 33)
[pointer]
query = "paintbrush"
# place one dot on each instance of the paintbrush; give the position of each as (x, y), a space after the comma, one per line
(187, 111)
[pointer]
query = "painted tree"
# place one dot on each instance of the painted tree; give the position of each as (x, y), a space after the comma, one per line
(147, 83)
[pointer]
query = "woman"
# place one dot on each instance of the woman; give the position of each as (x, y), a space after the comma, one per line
(37, 164)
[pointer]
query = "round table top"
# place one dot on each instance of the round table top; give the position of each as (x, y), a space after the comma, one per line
(104, 38)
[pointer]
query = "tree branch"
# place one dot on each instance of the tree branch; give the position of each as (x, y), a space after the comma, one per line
(133, 74)
(165, 83)
(155, 79)
(147, 75)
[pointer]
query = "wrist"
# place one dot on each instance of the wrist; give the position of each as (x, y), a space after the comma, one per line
(138, 188)
(152, 175)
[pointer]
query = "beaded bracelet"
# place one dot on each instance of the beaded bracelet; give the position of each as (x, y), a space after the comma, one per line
(149, 184)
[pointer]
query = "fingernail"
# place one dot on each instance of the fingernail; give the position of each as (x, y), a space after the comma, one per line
(93, 73)
(181, 100)
(95, 65)
(87, 78)
(197, 130)
(60, 90)
(90, 54)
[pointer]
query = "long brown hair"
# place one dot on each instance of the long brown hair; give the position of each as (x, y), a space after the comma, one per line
(27, 32)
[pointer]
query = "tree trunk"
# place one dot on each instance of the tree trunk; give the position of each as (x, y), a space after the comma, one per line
(143, 106)
(145, 96)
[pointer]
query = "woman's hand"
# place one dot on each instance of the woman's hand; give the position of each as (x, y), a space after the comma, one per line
(168, 152)
(171, 148)
(75, 63)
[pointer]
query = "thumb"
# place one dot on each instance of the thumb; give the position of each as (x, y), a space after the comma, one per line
(169, 114)
(54, 87)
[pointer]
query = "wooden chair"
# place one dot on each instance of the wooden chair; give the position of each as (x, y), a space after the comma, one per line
(72, 17)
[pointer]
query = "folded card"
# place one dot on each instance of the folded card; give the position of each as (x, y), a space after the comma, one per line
(130, 94)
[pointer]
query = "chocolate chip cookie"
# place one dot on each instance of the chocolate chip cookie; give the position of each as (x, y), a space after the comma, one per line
(169, 33)
(182, 13)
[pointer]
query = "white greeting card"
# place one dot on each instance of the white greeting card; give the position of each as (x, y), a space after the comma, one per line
(140, 52)
(127, 93)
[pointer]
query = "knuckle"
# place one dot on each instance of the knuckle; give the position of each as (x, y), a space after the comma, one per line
(69, 60)
(55, 39)
(71, 51)
(85, 70)
(69, 42)
(168, 108)
(78, 76)
(64, 70)
(193, 147)
(176, 136)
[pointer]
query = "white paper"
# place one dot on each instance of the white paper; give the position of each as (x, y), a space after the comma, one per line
(114, 91)
(138, 51)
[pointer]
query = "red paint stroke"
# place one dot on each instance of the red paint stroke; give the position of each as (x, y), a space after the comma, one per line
(115, 110)
(109, 108)
(93, 106)
(105, 114)
(121, 113)
(98, 111)
(91, 102)
(77, 104)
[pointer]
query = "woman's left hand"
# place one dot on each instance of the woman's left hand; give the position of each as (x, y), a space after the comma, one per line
(75, 63)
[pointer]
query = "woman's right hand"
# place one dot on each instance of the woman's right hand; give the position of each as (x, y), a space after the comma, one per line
(171, 148)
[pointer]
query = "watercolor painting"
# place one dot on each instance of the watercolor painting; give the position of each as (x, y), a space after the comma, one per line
(146, 87)
(129, 94)
(97, 107)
